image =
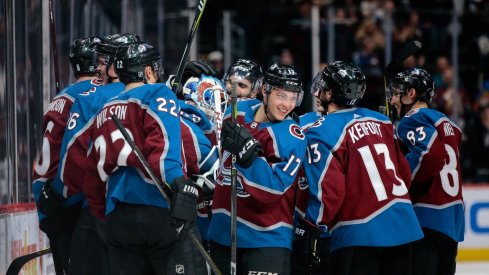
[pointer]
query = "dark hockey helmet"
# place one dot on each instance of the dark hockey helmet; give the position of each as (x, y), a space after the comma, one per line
(83, 56)
(131, 60)
(246, 69)
(197, 68)
(284, 77)
(416, 78)
(346, 81)
(110, 43)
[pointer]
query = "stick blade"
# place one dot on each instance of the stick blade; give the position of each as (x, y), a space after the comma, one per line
(17, 264)
(406, 51)
(409, 49)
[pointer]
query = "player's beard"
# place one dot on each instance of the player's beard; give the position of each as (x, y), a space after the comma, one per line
(405, 108)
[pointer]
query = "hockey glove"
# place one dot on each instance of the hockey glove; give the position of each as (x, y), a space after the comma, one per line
(50, 203)
(306, 244)
(184, 201)
(238, 141)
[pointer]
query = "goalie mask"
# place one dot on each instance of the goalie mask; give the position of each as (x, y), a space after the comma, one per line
(202, 92)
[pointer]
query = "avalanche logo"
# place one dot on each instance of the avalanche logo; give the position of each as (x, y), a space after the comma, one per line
(302, 182)
(180, 269)
(296, 131)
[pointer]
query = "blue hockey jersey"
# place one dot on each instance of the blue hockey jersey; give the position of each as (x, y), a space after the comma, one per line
(151, 115)
(198, 153)
(76, 139)
(433, 143)
(53, 125)
(358, 179)
(266, 189)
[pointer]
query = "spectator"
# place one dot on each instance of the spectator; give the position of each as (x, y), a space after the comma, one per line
(476, 162)
(442, 64)
(217, 59)
(452, 102)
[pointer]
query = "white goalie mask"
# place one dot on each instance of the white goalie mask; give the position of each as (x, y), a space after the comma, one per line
(206, 92)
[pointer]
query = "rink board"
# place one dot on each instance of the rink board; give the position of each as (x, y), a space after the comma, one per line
(476, 243)
(20, 234)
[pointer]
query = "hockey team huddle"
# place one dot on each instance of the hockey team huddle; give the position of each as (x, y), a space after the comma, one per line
(131, 171)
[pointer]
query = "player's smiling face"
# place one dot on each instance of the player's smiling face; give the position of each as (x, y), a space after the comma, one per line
(280, 103)
(395, 97)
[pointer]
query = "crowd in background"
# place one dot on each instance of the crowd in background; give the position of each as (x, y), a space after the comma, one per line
(360, 37)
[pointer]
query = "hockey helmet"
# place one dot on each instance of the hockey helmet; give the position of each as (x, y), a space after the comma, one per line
(246, 69)
(202, 92)
(83, 56)
(109, 45)
(415, 78)
(131, 60)
(197, 68)
(346, 81)
(284, 77)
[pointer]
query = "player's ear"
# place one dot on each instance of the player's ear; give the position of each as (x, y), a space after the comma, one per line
(411, 93)
(150, 75)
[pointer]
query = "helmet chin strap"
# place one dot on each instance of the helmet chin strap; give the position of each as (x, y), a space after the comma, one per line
(265, 108)
(405, 108)
(325, 103)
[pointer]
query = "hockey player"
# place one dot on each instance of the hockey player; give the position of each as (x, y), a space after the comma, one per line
(247, 75)
(358, 180)
(265, 177)
(310, 254)
(199, 119)
(142, 232)
(433, 143)
(88, 253)
(58, 216)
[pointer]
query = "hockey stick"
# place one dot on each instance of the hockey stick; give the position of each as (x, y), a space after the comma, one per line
(190, 39)
(394, 66)
(158, 184)
(218, 116)
(52, 34)
(17, 264)
(234, 188)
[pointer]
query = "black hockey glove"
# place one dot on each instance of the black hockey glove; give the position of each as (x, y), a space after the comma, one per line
(238, 141)
(184, 201)
(305, 247)
(50, 203)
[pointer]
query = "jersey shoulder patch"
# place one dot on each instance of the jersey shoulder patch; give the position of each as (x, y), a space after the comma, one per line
(296, 131)
(412, 112)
